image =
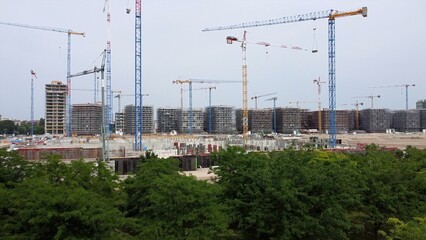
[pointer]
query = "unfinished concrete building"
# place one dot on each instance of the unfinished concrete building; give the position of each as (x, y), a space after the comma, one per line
(56, 104)
(353, 120)
(375, 120)
(168, 119)
(421, 104)
(342, 122)
(222, 120)
(422, 118)
(406, 120)
(86, 119)
(197, 121)
(119, 122)
(260, 120)
(289, 120)
(147, 119)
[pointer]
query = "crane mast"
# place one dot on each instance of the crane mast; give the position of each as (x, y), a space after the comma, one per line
(244, 87)
(33, 75)
(108, 110)
(318, 82)
(331, 15)
(274, 112)
(138, 75)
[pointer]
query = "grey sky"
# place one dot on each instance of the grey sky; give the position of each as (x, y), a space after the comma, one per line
(386, 48)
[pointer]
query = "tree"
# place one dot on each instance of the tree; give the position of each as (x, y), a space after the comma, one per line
(13, 168)
(289, 194)
(168, 205)
(7, 127)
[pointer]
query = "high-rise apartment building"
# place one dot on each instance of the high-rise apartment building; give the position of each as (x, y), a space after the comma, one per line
(56, 103)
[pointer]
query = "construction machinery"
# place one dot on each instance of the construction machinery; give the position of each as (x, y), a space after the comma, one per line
(108, 110)
(138, 74)
(260, 96)
(297, 102)
(105, 122)
(318, 83)
(69, 32)
(275, 115)
(406, 91)
(230, 40)
(33, 75)
(356, 104)
(371, 97)
(331, 15)
(189, 82)
(120, 95)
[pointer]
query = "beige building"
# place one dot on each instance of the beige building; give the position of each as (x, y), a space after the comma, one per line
(56, 104)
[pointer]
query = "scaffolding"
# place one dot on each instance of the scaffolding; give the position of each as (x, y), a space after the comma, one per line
(222, 120)
(86, 119)
(375, 120)
(147, 119)
(406, 120)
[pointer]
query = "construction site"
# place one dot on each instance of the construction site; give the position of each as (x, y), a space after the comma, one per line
(94, 131)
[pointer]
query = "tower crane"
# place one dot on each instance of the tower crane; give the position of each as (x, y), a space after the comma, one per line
(275, 115)
(189, 82)
(331, 15)
(406, 91)
(318, 83)
(297, 102)
(230, 40)
(33, 75)
(104, 127)
(138, 74)
(356, 104)
(108, 109)
(260, 96)
(371, 97)
(69, 32)
(210, 105)
(120, 95)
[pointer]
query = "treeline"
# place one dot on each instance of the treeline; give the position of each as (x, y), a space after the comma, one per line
(303, 194)
(23, 128)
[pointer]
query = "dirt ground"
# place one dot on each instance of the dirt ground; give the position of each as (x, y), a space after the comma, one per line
(400, 141)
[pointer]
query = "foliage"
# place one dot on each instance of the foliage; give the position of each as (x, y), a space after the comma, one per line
(7, 127)
(168, 205)
(12, 167)
(290, 194)
(413, 230)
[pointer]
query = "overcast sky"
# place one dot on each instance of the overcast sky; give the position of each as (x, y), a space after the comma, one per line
(386, 48)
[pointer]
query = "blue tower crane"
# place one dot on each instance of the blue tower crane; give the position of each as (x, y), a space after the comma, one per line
(331, 15)
(69, 32)
(138, 75)
(274, 112)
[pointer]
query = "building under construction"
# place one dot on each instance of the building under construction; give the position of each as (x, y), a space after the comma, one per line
(375, 120)
(259, 120)
(421, 104)
(168, 119)
(222, 120)
(197, 121)
(86, 119)
(406, 120)
(119, 122)
(56, 104)
(289, 120)
(422, 118)
(342, 120)
(147, 119)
